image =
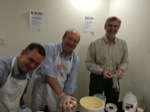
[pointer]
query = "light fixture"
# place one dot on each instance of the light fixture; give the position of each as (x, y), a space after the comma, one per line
(86, 4)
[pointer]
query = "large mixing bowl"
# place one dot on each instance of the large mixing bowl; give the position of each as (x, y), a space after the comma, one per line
(91, 104)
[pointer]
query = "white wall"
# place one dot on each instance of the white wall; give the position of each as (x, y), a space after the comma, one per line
(135, 30)
(59, 16)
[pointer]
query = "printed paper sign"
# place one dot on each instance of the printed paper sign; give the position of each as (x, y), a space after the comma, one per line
(36, 20)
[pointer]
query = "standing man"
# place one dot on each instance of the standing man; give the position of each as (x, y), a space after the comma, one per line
(107, 60)
(13, 75)
(56, 78)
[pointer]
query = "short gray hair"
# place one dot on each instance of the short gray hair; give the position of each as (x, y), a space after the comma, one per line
(113, 18)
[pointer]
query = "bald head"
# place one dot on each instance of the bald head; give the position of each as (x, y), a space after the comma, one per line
(72, 31)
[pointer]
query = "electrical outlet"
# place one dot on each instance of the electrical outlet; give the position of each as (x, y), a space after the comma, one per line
(2, 40)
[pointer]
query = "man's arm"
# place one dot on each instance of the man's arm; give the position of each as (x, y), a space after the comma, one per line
(1, 77)
(70, 83)
(64, 98)
(124, 62)
(54, 85)
(5, 68)
(90, 60)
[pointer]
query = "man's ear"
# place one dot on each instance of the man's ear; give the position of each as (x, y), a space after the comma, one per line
(23, 52)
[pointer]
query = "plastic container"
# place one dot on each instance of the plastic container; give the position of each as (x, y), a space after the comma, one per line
(140, 107)
(101, 96)
(91, 104)
(110, 107)
(25, 109)
(129, 102)
(130, 110)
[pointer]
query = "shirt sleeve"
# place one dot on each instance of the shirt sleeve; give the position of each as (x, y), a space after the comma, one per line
(47, 66)
(5, 67)
(70, 84)
(1, 75)
(124, 61)
(90, 60)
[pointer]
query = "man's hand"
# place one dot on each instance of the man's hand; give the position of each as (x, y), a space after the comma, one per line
(120, 73)
(106, 74)
(66, 102)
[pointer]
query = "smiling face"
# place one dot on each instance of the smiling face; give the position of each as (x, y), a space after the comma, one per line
(70, 41)
(112, 28)
(29, 61)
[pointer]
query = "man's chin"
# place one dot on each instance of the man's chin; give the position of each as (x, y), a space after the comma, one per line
(68, 52)
(26, 71)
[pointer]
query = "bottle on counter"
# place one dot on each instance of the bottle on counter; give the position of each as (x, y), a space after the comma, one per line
(25, 109)
(129, 102)
(130, 110)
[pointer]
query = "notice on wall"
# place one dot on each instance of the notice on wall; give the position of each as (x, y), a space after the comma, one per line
(36, 20)
(88, 24)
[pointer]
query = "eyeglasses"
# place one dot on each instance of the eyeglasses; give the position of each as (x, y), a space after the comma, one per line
(71, 39)
(115, 26)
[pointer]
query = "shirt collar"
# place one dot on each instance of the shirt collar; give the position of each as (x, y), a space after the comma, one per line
(16, 69)
(107, 41)
(61, 52)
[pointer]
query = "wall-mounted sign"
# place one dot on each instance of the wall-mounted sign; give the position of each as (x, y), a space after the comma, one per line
(88, 24)
(36, 20)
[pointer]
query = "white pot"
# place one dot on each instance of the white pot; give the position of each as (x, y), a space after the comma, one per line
(91, 104)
